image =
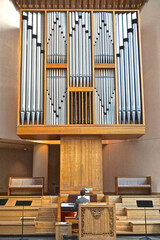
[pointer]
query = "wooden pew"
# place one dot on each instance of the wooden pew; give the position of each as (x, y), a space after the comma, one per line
(133, 185)
(26, 186)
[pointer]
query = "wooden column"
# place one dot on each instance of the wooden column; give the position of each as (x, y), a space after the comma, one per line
(80, 164)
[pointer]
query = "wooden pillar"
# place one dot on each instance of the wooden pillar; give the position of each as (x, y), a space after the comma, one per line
(80, 164)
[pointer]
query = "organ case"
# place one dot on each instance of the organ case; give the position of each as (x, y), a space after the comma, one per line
(80, 73)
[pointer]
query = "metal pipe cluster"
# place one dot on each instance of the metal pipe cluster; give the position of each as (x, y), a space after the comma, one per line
(105, 111)
(80, 49)
(56, 37)
(56, 97)
(128, 69)
(32, 69)
(103, 37)
(81, 108)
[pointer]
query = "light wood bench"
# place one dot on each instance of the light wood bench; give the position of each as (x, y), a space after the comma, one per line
(26, 185)
(133, 185)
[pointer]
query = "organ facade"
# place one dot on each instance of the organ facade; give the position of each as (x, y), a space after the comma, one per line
(80, 73)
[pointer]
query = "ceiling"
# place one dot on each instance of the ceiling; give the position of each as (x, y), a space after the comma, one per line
(78, 4)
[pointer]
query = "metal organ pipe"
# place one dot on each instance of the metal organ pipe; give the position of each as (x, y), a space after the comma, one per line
(126, 62)
(56, 92)
(32, 68)
(105, 97)
(136, 66)
(103, 37)
(34, 57)
(29, 65)
(128, 72)
(80, 49)
(56, 37)
(56, 95)
(24, 66)
(123, 99)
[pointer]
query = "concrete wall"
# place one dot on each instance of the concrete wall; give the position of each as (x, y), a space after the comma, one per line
(14, 163)
(141, 157)
(9, 60)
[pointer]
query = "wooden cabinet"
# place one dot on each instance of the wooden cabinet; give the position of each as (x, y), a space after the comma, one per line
(97, 221)
(63, 228)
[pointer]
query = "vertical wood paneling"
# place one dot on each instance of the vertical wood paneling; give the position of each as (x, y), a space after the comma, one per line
(81, 164)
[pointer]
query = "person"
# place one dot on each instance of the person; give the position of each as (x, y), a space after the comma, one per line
(80, 200)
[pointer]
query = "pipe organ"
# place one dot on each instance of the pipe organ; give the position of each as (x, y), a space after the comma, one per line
(82, 68)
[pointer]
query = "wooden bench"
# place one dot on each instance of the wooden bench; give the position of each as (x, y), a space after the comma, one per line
(26, 186)
(132, 185)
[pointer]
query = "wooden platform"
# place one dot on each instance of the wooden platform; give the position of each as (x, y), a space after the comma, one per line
(130, 218)
(39, 218)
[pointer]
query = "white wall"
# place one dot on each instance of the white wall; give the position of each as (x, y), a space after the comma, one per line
(141, 157)
(9, 60)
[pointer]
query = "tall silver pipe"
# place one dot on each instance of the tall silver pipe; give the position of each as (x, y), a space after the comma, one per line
(118, 68)
(84, 48)
(126, 60)
(87, 48)
(90, 49)
(122, 68)
(42, 68)
(73, 47)
(77, 48)
(136, 66)
(34, 53)
(80, 48)
(29, 67)
(38, 85)
(70, 48)
(24, 66)
(131, 66)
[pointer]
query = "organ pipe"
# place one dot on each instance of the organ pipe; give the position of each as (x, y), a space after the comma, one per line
(80, 49)
(105, 97)
(128, 71)
(103, 37)
(32, 68)
(56, 97)
(56, 37)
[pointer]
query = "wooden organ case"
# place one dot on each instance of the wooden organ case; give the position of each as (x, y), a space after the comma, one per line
(81, 82)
